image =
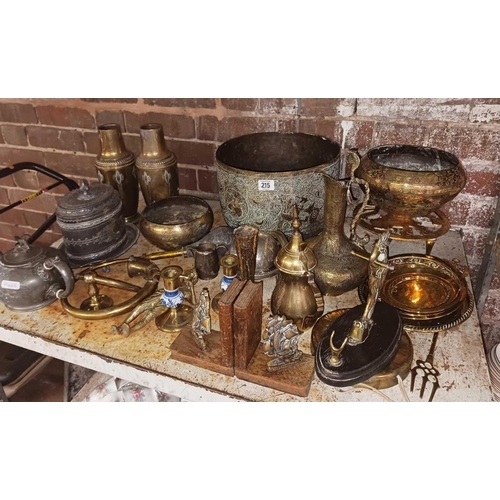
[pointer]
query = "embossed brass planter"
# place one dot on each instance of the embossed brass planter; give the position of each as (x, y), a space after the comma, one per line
(262, 176)
(430, 294)
(156, 165)
(116, 166)
(176, 221)
(408, 183)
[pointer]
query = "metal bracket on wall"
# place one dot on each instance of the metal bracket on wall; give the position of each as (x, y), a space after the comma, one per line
(490, 261)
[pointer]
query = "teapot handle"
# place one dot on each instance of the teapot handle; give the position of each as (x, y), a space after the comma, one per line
(66, 273)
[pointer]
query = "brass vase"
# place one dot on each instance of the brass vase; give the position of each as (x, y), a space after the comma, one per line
(156, 166)
(116, 167)
(338, 269)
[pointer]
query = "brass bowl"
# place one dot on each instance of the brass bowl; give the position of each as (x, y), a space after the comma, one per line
(411, 181)
(427, 291)
(176, 222)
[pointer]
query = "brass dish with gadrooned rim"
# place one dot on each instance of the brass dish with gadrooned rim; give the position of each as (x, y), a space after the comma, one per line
(430, 293)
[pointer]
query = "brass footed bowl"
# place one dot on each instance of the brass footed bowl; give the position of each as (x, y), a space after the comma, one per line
(411, 181)
(176, 222)
(427, 291)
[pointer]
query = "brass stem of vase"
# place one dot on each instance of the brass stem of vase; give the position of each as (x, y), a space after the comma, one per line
(338, 270)
(156, 165)
(115, 166)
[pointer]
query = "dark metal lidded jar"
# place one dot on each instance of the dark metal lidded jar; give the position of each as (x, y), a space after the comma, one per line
(262, 176)
(92, 224)
(115, 166)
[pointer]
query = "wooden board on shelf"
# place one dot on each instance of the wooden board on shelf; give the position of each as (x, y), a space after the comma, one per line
(294, 380)
(184, 349)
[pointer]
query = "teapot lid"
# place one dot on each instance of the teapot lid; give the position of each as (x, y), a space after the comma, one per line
(297, 257)
(22, 253)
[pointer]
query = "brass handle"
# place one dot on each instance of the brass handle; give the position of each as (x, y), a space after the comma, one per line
(355, 160)
(167, 254)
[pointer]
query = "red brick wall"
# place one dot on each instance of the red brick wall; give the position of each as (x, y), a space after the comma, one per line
(61, 134)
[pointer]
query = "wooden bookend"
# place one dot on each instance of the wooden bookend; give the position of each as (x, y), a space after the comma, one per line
(226, 303)
(295, 379)
(247, 327)
(184, 349)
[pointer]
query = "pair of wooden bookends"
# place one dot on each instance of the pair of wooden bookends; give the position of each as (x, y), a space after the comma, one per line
(236, 350)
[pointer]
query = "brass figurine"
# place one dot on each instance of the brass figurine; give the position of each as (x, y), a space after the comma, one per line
(149, 309)
(280, 340)
(360, 329)
(201, 323)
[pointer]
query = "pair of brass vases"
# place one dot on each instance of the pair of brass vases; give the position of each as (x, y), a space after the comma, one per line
(154, 170)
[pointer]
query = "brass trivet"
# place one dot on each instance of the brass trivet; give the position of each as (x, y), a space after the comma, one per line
(429, 227)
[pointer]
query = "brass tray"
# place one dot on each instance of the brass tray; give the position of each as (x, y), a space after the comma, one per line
(431, 294)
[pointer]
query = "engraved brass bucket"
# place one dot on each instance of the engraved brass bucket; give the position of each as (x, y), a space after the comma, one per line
(262, 176)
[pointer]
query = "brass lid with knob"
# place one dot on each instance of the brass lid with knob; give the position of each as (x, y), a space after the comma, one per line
(296, 258)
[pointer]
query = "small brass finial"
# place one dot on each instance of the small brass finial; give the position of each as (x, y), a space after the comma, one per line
(296, 221)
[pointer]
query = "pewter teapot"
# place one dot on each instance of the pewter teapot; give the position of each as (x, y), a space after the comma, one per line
(32, 277)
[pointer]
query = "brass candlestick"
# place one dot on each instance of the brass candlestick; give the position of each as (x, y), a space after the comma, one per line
(229, 264)
(178, 313)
